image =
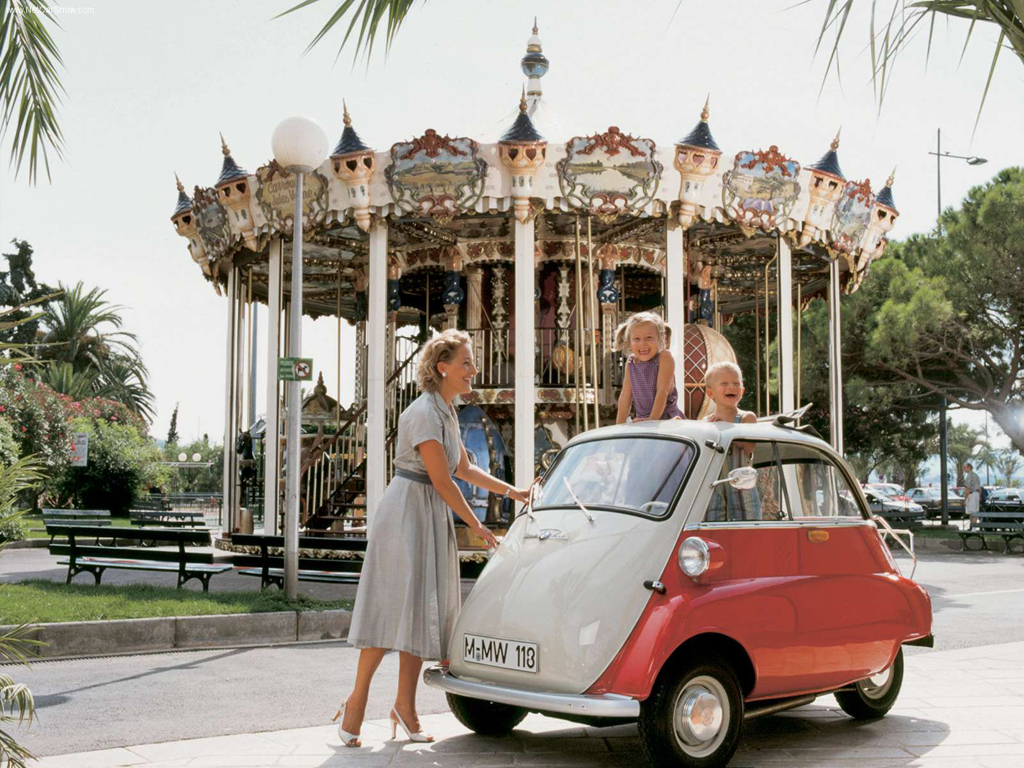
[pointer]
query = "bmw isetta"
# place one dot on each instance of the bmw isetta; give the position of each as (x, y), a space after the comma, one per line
(686, 576)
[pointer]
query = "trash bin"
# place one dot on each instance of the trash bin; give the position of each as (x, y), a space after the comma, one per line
(244, 524)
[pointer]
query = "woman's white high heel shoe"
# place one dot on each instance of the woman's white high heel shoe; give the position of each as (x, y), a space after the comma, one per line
(418, 736)
(348, 739)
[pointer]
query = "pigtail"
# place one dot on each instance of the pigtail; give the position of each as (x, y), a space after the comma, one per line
(622, 336)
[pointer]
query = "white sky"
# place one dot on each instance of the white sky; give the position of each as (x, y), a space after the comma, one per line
(151, 83)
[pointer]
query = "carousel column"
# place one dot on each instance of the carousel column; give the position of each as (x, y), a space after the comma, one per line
(608, 294)
(525, 362)
(272, 435)
(675, 275)
(474, 319)
(376, 342)
(835, 362)
(784, 275)
(230, 411)
(453, 295)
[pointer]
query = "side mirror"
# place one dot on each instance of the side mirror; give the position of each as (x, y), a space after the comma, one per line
(741, 478)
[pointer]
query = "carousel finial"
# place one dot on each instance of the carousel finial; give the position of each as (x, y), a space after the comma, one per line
(181, 187)
(224, 146)
(835, 142)
(704, 113)
(522, 101)
(892, 177)
(344, 111)
(535, 30)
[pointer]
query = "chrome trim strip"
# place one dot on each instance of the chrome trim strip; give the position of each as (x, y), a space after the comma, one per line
(608, 705)
(817, 522)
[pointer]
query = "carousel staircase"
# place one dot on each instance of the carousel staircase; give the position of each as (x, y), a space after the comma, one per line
(334, 473)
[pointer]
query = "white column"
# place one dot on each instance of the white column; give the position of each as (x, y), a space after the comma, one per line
(787, 388)
(376, 342)
(228, 485)
(835, 361)
(675, 309)
(272, 441)
(525, 357)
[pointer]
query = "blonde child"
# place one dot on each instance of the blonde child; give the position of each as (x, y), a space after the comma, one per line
(649, 388)
(724, 384)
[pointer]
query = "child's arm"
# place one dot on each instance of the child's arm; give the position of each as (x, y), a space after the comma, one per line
(749, 417)
(625, 400)
(666, 378)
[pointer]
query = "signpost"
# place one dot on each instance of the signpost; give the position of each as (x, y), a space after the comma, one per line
(80, 451)
(294, 369)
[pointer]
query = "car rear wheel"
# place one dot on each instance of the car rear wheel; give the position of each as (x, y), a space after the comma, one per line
(693, 716)
(873, 696)
(488, 718)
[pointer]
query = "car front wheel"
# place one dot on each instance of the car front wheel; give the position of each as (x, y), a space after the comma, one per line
(488, 718)
(693, 717)
(873, 696)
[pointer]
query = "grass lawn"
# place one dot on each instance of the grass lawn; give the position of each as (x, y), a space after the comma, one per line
(47, 601)
(36, 521)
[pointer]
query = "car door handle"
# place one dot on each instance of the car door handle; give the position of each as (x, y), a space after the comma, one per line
(655, 586)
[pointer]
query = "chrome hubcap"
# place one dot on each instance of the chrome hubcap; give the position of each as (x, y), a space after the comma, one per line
(701, 712)
(876, 686)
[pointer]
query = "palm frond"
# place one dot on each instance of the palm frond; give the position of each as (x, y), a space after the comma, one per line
(30, 86)
(16, 706)
(367, 15)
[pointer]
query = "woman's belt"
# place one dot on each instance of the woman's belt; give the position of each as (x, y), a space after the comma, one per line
(416, 477)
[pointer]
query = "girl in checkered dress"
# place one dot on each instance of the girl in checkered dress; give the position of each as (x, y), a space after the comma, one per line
(649, 388)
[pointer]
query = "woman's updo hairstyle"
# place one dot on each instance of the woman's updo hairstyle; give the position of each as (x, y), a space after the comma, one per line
(439, 349)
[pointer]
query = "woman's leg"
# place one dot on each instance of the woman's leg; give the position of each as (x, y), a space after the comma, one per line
(409, 668)
(355, 707)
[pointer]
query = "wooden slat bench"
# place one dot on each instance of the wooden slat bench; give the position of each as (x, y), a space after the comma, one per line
(95, 559)
(167, 519)
(1007, 525)
(270, 567)
(96, 518)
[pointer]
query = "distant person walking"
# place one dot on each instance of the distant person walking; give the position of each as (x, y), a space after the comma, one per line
(408, 596)
(972, 489)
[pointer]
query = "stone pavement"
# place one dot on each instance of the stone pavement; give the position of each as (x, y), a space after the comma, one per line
(960, 708)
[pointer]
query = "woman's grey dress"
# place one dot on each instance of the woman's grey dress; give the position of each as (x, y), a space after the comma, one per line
(409, 596)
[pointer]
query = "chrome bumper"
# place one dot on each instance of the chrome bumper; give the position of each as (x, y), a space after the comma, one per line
(607, 705)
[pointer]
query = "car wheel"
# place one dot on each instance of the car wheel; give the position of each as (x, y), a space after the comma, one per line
(873, 696)
(692, 717)
(488, 718)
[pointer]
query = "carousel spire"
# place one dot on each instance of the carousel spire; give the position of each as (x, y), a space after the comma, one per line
(522, 151)
(535, 64)
(349, 141)
(885, 195)
(696, 159)
(700, 136)
(522, 130)
(829, 162)
(230, 170)
(184, 201)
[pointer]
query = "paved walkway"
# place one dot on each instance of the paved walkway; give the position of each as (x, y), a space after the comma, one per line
(961, 709)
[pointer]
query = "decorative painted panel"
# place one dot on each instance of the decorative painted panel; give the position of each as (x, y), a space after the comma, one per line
(852, 216)
(609, 173)
(276, 197)
(436, 176)
(212, 222)
(761, 188)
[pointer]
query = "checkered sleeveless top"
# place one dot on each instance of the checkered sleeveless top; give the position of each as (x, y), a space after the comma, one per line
(643, 382)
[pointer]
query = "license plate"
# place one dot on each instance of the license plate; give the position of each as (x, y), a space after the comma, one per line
(507, 654)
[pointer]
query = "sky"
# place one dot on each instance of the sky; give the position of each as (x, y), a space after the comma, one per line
(151, 84)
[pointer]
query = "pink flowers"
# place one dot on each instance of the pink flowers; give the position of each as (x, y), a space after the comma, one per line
(17, 367)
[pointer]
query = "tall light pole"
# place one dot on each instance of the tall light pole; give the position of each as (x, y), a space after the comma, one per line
(300, 145)
(943, 429)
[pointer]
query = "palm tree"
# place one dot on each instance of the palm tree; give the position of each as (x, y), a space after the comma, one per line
(1008, 463)
(29, 84)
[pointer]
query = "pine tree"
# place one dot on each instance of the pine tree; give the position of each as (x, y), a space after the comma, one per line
(172, 433)
(18, 286)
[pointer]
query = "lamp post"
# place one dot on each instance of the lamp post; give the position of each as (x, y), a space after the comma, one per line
(943, 429)
(300, 146)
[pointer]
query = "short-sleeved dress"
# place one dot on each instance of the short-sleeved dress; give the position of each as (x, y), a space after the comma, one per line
(643, 383)
(409, 596)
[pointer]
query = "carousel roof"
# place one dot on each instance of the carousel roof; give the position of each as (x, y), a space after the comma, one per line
(230, 170)
(829, 162)
(184, 201)
(700, 136)
(350, 142)
(522, 129)
(885, 196)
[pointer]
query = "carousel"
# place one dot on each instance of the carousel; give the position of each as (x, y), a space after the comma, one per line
(537, 244)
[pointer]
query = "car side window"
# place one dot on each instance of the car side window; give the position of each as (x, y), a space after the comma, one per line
(766, 501)
(817, 487)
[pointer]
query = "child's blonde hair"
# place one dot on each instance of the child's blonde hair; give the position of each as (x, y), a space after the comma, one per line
(719, 367)
(625, 330)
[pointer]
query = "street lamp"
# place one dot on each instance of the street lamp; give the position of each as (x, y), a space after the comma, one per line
(943, 430)
(300, 146)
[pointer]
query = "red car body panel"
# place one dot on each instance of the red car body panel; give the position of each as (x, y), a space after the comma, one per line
(814, 606)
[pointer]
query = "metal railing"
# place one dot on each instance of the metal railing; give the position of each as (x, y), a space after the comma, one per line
(556, 360)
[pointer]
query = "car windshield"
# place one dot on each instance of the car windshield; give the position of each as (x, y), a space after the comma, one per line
(636, 475)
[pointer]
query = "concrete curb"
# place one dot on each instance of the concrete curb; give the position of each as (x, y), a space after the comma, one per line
(28, 544)
(71, 639)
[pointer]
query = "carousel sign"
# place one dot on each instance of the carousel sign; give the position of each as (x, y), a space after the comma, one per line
(275, 194)
(436, 175)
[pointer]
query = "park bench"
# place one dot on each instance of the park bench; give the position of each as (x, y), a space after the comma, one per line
(270, 567)
(1007, 525)
(166, 518)
(95, 559)
(153, 502)
(96, 518)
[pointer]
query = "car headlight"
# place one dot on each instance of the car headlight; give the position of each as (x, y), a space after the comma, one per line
(694, 556)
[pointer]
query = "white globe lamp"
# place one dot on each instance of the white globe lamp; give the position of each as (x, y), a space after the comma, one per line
(197, 457)
(182, 456)
(299, 144)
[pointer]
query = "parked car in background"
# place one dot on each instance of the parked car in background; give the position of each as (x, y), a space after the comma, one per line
(893, 491)
(931, 500)
(891, 509)
(649, 582)
(1005, 500)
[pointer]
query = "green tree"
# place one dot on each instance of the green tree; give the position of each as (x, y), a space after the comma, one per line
(1008, 462)
(172, 432)
(964, 443)
(19, 291)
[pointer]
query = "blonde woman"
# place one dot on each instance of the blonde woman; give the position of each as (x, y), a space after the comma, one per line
(648, 388)
(409, 594)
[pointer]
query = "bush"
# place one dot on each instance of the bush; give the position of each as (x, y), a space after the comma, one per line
(122, 465)
(9, 450)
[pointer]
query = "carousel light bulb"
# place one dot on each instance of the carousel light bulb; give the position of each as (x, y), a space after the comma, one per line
(299, 144)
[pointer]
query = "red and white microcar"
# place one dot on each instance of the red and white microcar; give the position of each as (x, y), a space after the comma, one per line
(659, 579)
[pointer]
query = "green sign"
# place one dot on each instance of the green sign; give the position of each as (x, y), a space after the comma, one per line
(294, 369)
